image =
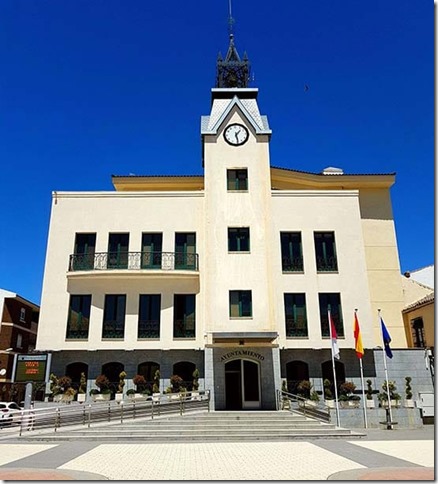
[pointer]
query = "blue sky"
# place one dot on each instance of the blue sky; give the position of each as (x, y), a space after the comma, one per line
(91, 88)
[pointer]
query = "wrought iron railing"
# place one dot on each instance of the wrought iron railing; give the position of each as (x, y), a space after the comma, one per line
(113, 329)
(292, 264)
(184, 328)
(148, 329)
(296, 328)
(327, 264)
(166, 261)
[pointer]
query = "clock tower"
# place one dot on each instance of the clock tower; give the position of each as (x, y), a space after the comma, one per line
(238, 241)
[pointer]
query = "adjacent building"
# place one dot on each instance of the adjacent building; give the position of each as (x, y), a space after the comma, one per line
(230, 272)
(18, 333)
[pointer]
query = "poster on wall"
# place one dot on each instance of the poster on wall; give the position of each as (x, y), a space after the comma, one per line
(30, 368)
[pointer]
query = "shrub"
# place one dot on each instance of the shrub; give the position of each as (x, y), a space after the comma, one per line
(94, 391)
(195, 384)
(156, 385)
(140, 382)
(82, 384)
(64, 383)
(408, 388)
(122, 376)
(369, 390)
(347, 388)
(175, 383)
(102, 383)
(131, 391)
(314, 396)
(70, 392)
(304, 388)
(328, 395)
(383, 395)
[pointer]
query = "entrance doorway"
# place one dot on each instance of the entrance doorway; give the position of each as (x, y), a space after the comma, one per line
(242, 385)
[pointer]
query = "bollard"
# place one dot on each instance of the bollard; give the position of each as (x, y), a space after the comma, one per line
(89, 415)
(121, 411)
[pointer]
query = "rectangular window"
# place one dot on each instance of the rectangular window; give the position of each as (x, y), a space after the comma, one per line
(23, 315)
(84, 250)
(291, 252)
(237, 180)
(418, 338)
(151, 250)
(149, 316)
(325, 250)
(185, 251)
(296, 316)
(19, 340)
(78, 317)
(118, 246)
(238, 239)
(184, 315)
(240, 304)
(114, 316)
(334, 301)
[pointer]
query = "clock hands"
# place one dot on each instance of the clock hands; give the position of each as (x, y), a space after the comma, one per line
(236, 134)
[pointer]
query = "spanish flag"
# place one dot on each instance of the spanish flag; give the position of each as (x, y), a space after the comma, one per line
(357, 338)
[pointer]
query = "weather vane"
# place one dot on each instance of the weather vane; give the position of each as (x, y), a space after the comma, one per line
(231, 21)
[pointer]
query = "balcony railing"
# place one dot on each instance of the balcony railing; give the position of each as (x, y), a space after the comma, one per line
(148, 329)
(327, 264)
(296, 328)
(166, 261)
(184, 328)
(292, 264)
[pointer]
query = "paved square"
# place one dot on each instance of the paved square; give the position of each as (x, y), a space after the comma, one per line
(419, 452)
(12, 452)
(212, 461)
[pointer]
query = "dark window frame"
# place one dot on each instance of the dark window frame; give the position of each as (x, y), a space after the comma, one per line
(243, 298)
(82, 303)
(325, 251)
(291, 252)
(296, 324)
(149, 316)
(237, 179)
(113, 325)
(332, 299)
(239, 239)
(184, 316)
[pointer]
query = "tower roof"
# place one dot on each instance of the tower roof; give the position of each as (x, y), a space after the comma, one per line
(232, 71)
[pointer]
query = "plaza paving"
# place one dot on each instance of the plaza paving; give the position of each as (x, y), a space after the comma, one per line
(381, 455)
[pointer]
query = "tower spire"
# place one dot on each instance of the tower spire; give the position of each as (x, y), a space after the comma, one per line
(232, 71)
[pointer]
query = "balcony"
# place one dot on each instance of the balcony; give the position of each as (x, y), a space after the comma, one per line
(129, 264)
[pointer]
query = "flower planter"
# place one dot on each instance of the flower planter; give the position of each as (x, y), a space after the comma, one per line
(101, 397)
(349, 404)
(81, 397)
(137, 397)
(330, 403)
(409, 404)
(58, 398)
(371, 404)
(119, 397)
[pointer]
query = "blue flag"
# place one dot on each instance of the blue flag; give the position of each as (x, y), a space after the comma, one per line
(386, 339)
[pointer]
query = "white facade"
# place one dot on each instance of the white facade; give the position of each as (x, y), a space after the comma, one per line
(355, 208)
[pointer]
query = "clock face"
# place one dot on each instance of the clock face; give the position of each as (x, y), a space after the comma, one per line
(236, 134)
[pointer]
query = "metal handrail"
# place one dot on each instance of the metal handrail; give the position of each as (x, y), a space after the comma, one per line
(146, 260)
(319, 411)
(56, 417)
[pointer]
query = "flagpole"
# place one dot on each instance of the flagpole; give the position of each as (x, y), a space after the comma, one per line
(334, 368)
(363, 394)
(363, 386)
(386, 370)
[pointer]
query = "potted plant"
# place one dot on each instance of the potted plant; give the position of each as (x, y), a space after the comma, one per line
(328, 395)
(104, 392)
(119, 394)
(67, 393)
(369, 393)
(156, 386)
(195, 384)
(314, 398)
(347, 397)
(304, 388)
(82, 389)
(394, 396)
(175, 386)
(409, 403)
(55, 389)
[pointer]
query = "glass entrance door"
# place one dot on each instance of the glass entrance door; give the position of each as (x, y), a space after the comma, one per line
(242, 385)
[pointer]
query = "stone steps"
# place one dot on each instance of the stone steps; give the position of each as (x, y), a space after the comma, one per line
(204, 427)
